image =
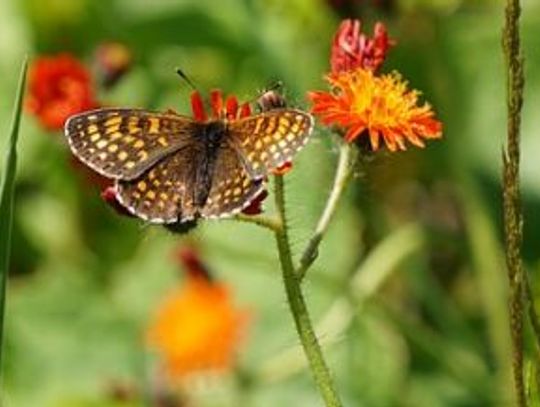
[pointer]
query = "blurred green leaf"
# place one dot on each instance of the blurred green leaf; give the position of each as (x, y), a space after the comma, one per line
(7, 187)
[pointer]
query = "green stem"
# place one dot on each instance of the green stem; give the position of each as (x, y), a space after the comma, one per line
(263, 221)
(298, 307)
(513, 222)
(343, 174)
(533, 316)
(365, 282)
(7, 186)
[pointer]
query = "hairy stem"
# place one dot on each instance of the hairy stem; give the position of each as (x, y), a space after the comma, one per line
(513, 223)
(263, 221)
(343, 174)
(298, 306)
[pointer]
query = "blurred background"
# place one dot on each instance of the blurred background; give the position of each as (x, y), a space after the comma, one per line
(408, 292)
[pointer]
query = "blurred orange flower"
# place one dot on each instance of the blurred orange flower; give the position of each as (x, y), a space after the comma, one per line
(59, 86)
(197, 328)
(365, 105)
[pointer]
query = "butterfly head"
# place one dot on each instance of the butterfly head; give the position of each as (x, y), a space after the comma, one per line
(271, 99)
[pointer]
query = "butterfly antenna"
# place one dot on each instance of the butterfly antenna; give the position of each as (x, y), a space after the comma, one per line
(183, 76)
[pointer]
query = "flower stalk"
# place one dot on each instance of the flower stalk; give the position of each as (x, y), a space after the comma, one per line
(264, 221)
(298, 307)
(344, 171)
(513, 222)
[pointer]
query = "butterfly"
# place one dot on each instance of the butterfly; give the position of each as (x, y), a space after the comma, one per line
(169, 168)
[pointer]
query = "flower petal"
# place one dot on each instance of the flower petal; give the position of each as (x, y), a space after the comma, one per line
(382, 105)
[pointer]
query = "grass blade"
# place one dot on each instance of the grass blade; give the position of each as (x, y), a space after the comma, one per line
(6, 197)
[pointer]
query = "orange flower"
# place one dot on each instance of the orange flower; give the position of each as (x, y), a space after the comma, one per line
(365, 105)
(197, 328)
(59, 86)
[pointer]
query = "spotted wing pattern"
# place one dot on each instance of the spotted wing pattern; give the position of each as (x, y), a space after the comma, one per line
(268, 140)
(123, 143)
(232, 186)
(163, 194)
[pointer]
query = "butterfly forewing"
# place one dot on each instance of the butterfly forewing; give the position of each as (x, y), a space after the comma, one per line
(163, 194)
(171, 169)
(232, 188)
(268, 140)
(123, 143)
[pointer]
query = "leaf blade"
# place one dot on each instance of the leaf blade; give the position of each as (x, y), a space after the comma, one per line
(7, 185)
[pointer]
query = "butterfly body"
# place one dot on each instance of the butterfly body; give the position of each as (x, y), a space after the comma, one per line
(210, 136)
(169, 168)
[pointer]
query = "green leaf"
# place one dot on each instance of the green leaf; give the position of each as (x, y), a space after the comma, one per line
(6, 196)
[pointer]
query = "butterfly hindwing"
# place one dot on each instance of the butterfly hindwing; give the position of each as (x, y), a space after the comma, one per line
(164, 193)
(232, 188)
(123, 143)
(167, 192)
(270, 139)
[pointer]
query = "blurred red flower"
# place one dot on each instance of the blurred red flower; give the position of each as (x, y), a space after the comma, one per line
(58, 87)
(197, 328)
(190, 261)
(352, 49)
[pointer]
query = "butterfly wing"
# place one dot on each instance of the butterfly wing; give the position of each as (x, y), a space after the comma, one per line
(164, 193)
(123, 143)
(232, 186)
(268, 140)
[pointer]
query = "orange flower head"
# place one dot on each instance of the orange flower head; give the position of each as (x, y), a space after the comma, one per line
(379, 107)
(59, 86)
(197, 329)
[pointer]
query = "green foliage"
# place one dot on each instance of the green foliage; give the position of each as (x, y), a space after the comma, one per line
(7, 187)
(422, 323)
